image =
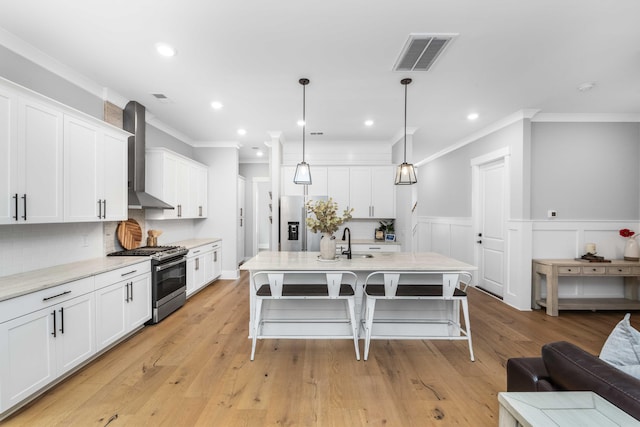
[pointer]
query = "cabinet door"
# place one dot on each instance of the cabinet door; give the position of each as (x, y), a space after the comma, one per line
(383, 192)
(318, 185)
(198, 189)
(75, 332)
(139, 304)
(183, 193)
(360, 191)
(338, 186)
(40, 148)
(27, 356)
(82, 152)
(242, 224)
(8, 157)
(217, 262)
(110, 314)
(114, 176)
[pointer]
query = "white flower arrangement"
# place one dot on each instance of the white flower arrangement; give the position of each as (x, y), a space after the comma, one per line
(326, 218)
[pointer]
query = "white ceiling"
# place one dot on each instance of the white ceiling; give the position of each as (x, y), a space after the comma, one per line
(249, 54)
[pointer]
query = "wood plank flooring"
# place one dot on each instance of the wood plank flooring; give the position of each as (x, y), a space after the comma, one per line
(193, 369)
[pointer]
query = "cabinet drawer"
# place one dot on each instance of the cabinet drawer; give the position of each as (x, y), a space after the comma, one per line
(122, 273)
(596, 271)
(569, 270)
(25, 304)
(619, 270)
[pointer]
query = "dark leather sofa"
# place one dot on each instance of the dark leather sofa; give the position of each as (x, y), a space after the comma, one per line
(564, 366)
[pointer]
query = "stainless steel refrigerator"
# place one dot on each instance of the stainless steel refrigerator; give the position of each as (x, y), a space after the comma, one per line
(294, 234)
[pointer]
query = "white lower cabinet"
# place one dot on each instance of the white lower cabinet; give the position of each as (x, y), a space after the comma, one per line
(41, 345)
(46, 334)
(122, 306)
(204, 265)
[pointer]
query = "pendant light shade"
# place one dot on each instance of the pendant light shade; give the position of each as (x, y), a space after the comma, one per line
(303, 173)
(406, 173)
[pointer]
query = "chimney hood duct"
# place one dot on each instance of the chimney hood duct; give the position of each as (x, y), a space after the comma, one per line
(133, 120)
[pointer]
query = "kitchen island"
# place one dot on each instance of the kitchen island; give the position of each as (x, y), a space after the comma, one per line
(362, 266)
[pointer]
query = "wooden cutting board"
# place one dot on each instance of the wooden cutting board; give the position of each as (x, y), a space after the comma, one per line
(129, 234)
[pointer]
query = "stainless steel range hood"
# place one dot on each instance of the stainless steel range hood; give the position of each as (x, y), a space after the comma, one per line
(133, 120)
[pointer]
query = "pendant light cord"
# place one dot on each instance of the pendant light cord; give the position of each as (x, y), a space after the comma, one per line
(405, 123)
(304, 118)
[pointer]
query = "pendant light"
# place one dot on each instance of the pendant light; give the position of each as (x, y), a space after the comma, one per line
(303, 173)
(405, 174)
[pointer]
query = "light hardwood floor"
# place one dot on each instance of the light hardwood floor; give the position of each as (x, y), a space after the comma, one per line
(194, 369)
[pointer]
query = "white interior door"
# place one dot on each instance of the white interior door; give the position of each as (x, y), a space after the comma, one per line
(491, 226)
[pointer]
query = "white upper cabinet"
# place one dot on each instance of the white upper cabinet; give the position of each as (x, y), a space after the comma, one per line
(39, 162)
(95, 172)
(172, 178)
(58, 164)
(8, 156)
(372, 192)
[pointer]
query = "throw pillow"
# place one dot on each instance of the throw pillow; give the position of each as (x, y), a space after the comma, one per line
(622, 348)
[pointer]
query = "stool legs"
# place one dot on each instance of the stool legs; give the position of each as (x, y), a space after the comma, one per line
(465, 312)
(354, 325)
(369, 309)
(256, 326)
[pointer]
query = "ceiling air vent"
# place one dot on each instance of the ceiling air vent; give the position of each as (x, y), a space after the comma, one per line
(421, 51)
(162, 98)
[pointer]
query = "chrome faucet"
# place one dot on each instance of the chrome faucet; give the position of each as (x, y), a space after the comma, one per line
(348, 251)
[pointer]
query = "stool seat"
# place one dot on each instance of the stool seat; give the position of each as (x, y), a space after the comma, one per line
(413, 291)
(293, 290)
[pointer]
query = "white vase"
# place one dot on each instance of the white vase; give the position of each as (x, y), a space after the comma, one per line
(631, 250)
(327, 246)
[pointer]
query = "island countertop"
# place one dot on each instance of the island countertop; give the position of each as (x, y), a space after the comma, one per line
(391, 261)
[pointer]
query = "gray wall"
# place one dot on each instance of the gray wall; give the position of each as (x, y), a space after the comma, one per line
(19, 70)
(158, 138)
(586, 170)
(444, 185)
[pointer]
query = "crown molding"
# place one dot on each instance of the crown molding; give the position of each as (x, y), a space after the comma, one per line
(216, 144)
(494, 127)
(586, 117)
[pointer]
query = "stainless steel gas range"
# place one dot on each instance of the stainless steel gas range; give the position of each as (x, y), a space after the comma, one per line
(168, 277)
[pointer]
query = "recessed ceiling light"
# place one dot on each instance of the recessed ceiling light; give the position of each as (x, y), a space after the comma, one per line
(300, 123)
(586, 86)
(473, 116)
(259, 153)
(216, 105)
(165, 49)
(368, 123)
(242, 132)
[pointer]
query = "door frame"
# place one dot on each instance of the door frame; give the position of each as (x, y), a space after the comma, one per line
(256, 212)
(503, 154)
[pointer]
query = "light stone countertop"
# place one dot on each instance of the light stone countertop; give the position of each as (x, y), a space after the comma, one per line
(37, 280)
(194, 243)
(396, 261)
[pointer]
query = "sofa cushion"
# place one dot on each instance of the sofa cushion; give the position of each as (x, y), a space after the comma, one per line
(572, 368)
(622, 348)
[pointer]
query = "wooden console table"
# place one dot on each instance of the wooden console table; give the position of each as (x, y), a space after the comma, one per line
(554, 268)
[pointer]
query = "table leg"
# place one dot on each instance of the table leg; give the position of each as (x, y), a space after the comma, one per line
(552, 294)
(537, 285)
(506, 419)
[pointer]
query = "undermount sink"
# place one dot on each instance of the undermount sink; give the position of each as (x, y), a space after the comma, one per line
(354, 256)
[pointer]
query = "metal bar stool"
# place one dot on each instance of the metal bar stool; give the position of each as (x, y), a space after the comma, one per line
(304, 285)
(413, 285)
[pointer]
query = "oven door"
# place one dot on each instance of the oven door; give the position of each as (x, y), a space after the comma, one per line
(170, 279)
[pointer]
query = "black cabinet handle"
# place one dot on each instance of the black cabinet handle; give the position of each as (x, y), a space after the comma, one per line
(126, 274)
(56, 296)
(104, 209)
(99, 208)
(53, 313)
(132, 291)
(127, 290)
(61, 320)
(24, 204)
(16, 199)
